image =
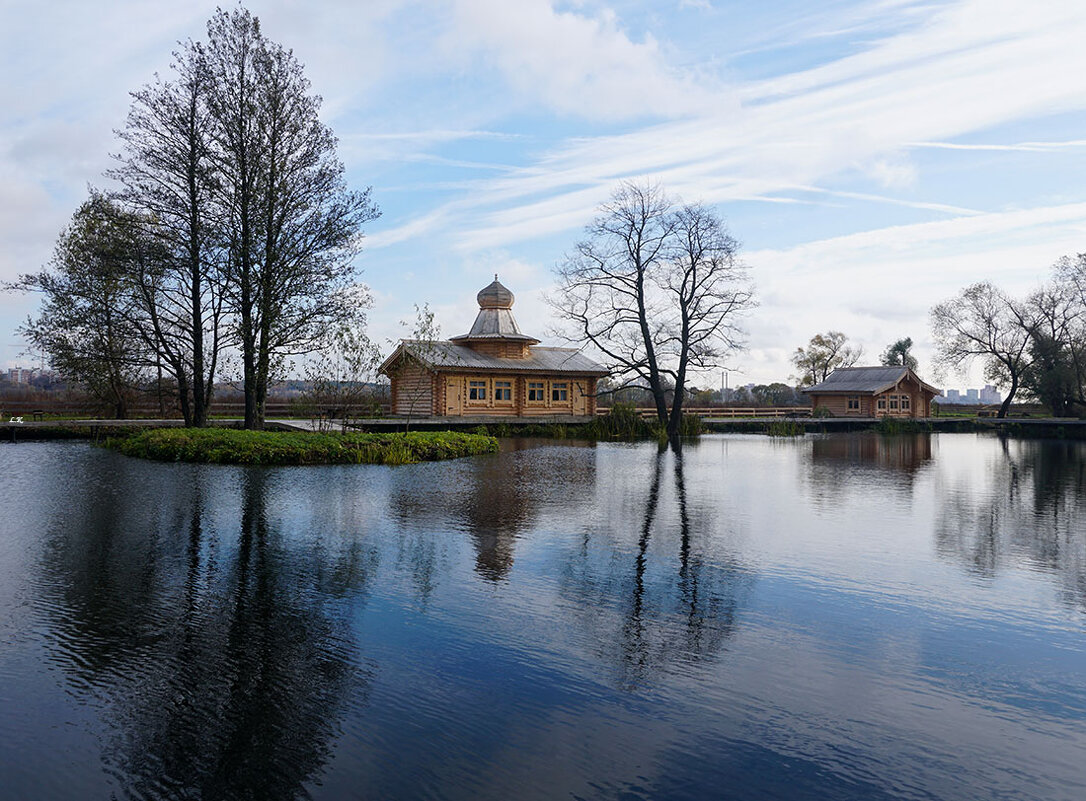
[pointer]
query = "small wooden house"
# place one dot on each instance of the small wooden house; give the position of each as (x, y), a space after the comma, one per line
(493, 370)
(873, 392)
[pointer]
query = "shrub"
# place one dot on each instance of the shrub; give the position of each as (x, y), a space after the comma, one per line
(231, 446)
(785, 428)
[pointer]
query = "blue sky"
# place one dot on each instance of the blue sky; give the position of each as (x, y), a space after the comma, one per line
(872, 157)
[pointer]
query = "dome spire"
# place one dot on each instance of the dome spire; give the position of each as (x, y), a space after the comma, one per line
(495, 296)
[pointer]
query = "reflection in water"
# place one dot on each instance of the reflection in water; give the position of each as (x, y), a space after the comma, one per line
(563, 622)
(681, 604)
(899, 452)
(854, 463)
(1026, 505)
(495, 500)
(217, 646)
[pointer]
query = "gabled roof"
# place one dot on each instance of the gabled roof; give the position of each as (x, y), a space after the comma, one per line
(866, 379)
(450, 356)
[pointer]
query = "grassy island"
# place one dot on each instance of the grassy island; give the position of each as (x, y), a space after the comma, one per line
(231, 446)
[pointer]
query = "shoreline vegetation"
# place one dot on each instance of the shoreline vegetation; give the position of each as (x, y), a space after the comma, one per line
(240, 447)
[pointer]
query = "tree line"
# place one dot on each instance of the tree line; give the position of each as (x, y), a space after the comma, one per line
(232, 230)
(1033, 345)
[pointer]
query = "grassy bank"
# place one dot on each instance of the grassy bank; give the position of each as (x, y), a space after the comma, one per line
(228, 446)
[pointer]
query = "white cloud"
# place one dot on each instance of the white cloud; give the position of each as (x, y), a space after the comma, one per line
(572, 62)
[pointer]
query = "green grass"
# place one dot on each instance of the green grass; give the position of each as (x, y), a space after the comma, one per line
(230, 446)
(786, 428)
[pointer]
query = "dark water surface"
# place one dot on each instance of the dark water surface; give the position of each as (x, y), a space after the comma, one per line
(845, 617)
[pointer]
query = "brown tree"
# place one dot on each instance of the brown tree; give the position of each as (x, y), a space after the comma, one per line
(658, 289)
(824, 354)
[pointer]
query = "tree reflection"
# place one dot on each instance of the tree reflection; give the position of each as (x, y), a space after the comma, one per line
(216, 649)
(1026, 507)
(681, 599)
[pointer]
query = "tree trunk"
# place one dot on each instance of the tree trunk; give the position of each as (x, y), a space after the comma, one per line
(1007, 401)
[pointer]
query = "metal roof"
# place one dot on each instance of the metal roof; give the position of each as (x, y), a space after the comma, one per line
(495, 323)
(450, 356)
(866, 379)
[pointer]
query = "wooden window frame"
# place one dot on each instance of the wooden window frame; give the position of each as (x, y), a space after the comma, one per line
(564, 388)
(881, 405)
(853, 403)
(541, 388)
(480, 383)
(906, 403)
(508, 387)
(893, 405)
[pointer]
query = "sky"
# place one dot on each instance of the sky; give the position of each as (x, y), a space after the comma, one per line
(873, 158)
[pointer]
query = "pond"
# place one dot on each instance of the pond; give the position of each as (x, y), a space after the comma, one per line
(828, 617)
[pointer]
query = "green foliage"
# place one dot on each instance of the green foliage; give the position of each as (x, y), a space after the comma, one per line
(786, 428)
(824, 354)
(623, 422)
(231, 446)
(899, 425)
(821, 411)
(898, 354)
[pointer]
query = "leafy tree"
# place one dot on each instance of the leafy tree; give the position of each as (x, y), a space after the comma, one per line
(824, 354)
(658, 289)
(1054, 321)
(86, 322)
(898, 354)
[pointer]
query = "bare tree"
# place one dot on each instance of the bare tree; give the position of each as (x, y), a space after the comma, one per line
(167, 177)
(824, 354)
(657, 289)
(341, 376)
(981, 321)
(709, 289)
(292, 226)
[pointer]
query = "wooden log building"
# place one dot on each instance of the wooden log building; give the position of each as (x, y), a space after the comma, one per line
(493, 370)
(873, 392)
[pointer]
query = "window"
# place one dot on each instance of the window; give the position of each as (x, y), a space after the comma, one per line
(559, 392)
(854, 403)
(503, 390)
(882, 404)
(477, 390)
(536, 392)
(905, 403)
(893, 403)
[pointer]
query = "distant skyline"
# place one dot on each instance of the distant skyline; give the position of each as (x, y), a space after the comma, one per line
(872, 157)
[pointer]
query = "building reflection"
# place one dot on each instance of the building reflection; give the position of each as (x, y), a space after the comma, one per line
(1026, 508)
(851, 463)
(213, 643)
(494, 500)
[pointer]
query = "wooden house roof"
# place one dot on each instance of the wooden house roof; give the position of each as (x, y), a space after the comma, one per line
(865, 380)
(451, 356)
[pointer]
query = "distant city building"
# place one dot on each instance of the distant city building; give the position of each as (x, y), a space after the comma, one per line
(20, 375)
(989, 396)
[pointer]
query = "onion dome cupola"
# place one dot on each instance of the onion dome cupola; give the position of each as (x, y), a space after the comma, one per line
(495, 322)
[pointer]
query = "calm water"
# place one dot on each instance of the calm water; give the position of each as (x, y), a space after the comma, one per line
(846, 617)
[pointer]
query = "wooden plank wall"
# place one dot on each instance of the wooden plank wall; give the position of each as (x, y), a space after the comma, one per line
(413, 390)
